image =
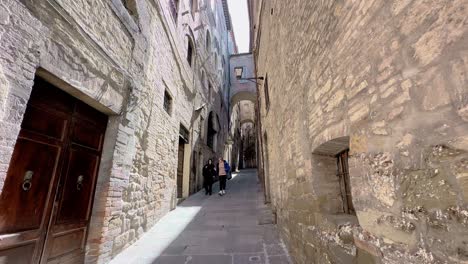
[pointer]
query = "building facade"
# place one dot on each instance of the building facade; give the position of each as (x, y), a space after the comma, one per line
(364, 127)
(108, 110)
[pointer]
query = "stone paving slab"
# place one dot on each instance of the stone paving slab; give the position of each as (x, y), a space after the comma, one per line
(212, 230)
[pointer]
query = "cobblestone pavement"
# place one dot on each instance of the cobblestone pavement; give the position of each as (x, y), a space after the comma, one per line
(213, 230)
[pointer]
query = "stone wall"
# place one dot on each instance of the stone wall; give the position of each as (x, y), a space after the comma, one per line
(121, 62)
(386, 79)
(242, 89)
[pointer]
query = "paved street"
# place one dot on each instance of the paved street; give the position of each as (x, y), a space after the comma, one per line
(213, 230)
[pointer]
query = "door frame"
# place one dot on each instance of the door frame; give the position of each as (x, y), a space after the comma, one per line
(97, 236)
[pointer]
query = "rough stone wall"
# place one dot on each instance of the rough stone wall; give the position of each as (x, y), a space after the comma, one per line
(391, 76)
(120, 64)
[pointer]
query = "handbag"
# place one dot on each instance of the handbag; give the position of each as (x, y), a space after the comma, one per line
(229, 176)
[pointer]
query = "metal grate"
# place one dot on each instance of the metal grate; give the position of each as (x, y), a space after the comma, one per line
(345, 187)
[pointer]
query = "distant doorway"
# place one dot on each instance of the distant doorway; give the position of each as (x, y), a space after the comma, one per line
(183, 163)
(180, 168)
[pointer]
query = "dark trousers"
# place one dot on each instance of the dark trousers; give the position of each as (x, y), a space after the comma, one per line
(208, 185)
(222, 182)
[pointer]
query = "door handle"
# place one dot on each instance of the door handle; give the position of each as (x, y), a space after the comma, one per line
(27, 180)
(79, 182)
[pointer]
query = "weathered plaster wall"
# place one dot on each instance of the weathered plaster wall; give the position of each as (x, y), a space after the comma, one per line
(391, 75)
(120, 64)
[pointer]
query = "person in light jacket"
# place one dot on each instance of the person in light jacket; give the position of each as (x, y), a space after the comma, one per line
(222, 169)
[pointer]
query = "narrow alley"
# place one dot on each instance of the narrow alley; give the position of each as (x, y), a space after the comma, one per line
(229, 229)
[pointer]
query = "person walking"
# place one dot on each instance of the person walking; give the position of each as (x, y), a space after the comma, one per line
(208, 174)
(222, 169)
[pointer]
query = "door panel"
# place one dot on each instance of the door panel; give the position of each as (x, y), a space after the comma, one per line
(78, 186)
(17, 255)
(69, 222)
(26, 189)
(45, 123)
(68, 242)
(180, 169)
(87, 134)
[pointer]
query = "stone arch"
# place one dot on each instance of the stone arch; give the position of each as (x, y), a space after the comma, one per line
(238, 96)
(339, 130)
(246, 121)
(332, 147)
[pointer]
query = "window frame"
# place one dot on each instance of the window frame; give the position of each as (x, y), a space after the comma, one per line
(174, 9)
(266, 91)
(193, 7)
(190, 51)
(167, 102)
(342, 172)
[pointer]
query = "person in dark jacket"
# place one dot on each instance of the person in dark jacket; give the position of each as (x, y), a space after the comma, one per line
(208, 174)
(222, 169)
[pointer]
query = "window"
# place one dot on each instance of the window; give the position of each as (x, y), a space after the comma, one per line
(203, 80)
(216, 44)
(174, 7)
(343, 174)
(213, 2)
(190, 51)
(215, 58)
(267, 94)
(208, 41)
(239, 69)
(210, 88)
(202, 127)
(131, 7)
(212, 131)
(193, 7)
(167, 102)
(330, 164)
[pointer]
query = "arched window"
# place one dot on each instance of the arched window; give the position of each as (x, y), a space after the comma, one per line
(216, 43)
(131, 7)
(210, 89)
(203, 79)
(213, 127)
(213, 2)
(208, 41)
(190, 51)
(193, 7)
(174, 7)
(215, 58)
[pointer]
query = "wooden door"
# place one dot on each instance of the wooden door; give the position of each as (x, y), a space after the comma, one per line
(45, 205)
(180, 168)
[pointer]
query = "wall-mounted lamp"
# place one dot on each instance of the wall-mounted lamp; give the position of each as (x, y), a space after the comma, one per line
(239, 70)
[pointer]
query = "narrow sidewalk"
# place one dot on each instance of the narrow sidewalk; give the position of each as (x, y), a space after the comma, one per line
(212, 230)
